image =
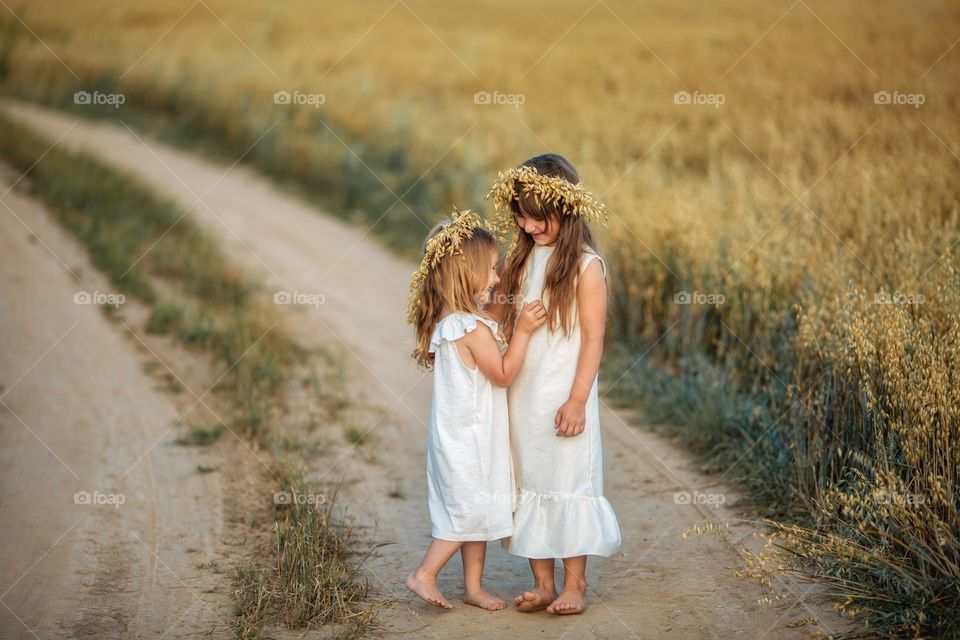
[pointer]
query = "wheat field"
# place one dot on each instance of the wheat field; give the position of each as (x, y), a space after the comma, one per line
(784, 182)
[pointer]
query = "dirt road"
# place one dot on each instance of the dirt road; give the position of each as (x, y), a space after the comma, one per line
(659, 586)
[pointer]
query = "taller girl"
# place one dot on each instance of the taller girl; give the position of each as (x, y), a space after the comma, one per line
(553, 403)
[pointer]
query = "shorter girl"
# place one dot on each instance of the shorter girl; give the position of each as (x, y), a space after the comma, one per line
(469, 469)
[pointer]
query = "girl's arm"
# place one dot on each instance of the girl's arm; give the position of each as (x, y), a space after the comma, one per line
(592, 309)
(501, 369)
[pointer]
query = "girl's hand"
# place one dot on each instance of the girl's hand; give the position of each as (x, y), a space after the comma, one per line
(532, 316)
(571, 418)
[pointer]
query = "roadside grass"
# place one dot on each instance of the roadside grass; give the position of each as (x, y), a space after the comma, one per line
(200, 436)
(315, 577)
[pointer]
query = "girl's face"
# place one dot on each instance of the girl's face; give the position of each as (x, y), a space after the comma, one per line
(483, 298)
(543, 232)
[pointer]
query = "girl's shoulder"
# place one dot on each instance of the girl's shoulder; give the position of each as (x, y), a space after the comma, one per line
(589, 255)
(454, 326)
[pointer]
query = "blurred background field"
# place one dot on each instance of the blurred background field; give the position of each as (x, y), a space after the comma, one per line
(784, 282)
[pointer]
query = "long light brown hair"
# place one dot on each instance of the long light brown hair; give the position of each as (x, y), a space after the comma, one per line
(455, 282)
(563, 267)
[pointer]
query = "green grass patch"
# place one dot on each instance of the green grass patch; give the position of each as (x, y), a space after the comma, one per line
(355, 435)
(200, 436)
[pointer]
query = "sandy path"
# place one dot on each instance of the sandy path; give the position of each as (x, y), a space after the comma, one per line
(659, 586)
(78, 414)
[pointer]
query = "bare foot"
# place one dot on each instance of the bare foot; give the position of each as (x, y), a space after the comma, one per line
(570, 601)
(484, 600)
(426, 587)
(535, 600)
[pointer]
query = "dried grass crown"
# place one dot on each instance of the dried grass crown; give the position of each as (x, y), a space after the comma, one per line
(447, 242)
(571, 199)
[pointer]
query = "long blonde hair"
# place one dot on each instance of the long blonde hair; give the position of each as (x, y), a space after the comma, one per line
(454, 282)
(563, 268)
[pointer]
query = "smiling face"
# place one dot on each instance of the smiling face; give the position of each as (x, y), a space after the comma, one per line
(483, 298)
(543, 232)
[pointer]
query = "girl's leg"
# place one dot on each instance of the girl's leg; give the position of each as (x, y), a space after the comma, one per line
(423, 581)
(544, 588)
(474, 554)
(574, 596)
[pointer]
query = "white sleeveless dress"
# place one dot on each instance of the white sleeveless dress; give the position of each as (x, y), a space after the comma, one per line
(561, 511)
(470, 481)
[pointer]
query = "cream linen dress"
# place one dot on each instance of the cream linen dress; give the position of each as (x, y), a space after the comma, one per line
(470, 481)
(561, 511)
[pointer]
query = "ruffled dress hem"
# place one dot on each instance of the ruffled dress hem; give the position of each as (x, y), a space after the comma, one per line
(559, 525)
